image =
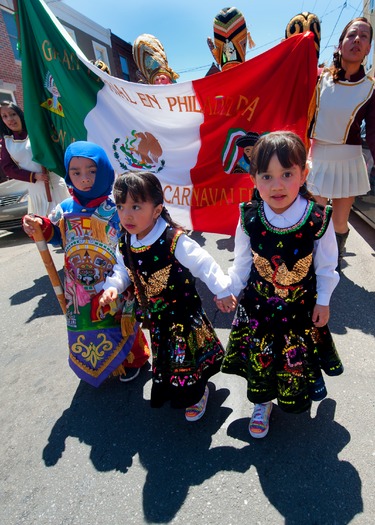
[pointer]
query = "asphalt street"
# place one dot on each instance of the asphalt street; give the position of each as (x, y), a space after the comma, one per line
(71, 454)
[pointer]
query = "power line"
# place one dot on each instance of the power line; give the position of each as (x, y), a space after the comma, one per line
(334, 27)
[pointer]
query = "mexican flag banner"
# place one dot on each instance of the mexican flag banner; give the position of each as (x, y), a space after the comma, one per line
(185, 133)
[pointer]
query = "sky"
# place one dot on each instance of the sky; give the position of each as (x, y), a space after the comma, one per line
(183, 26)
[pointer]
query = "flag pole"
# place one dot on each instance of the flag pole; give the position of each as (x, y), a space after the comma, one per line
(15, 4)
(49, 264)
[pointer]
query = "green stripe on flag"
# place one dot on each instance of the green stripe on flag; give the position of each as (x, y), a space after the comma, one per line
(59, 89)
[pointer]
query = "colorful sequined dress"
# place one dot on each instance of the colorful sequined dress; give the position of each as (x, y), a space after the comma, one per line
(185, 348)
(273, 342)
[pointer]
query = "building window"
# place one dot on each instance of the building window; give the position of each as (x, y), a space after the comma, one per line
(371, 6)
(10, 23)
(71, 33)
(6, 95)
(124, 68)
(100, 53)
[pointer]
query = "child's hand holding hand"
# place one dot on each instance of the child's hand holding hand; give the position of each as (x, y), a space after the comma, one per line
(226, 304)
(108, 296)
(320, 315)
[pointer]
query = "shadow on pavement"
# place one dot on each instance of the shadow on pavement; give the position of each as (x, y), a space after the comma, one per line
(217, 318)
(299, 469)
(48, 303)
(226, 244)
(222, 244)
(297, 463)
(118, 424)
(366, 231)
(14, 237)
(362, 308)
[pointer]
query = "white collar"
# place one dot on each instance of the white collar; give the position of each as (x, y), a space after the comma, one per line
(290, 216)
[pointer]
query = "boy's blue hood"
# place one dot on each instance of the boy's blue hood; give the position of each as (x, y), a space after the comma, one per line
(105, 174)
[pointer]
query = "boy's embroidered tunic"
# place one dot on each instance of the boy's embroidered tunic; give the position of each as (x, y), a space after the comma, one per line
(97, 346)
(185, 348)
(273, 342)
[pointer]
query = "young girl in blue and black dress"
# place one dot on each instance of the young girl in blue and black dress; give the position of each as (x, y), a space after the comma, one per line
(285, 259)
(157, 256)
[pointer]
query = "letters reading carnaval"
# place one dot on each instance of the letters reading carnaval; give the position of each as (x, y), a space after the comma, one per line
(193, 196)
(70, 60)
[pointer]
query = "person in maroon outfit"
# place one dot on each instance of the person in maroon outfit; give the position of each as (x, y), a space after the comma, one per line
(16, 162)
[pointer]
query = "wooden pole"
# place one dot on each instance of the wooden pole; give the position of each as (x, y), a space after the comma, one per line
(47, 186)
(49, 264)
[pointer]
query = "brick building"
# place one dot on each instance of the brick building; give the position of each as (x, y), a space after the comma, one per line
(95, 41)
(10, 72)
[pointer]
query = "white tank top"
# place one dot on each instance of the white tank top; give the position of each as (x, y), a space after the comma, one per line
(21, 154)
(20, 151)
(337, 106)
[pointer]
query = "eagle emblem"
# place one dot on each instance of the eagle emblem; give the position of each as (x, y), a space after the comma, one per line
(278, 274)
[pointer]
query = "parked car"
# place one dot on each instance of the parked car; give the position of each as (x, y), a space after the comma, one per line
(13, 203)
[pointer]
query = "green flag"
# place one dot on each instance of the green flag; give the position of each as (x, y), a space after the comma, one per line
(59, 89)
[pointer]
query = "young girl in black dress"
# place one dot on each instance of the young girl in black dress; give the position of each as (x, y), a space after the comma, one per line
(157, 256)
(285, 259)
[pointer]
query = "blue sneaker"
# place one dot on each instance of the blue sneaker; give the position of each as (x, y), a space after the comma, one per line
(318, 390)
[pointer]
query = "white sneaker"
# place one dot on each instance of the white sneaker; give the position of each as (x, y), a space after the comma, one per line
(260, 420)
(195, 412)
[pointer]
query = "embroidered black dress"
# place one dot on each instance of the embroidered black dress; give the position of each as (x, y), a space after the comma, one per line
(185, 349)
(273, 342)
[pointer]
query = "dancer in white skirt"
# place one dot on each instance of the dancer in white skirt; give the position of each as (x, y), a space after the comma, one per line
(16, 161)
(345, 98)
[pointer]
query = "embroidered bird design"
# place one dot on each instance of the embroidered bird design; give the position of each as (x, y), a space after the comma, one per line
(278, 274)
(156, 283)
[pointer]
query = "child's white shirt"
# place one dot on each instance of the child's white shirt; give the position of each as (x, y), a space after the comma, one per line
(325, 252)
(187, 252)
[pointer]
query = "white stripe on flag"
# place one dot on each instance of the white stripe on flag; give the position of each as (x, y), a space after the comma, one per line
(153, 128)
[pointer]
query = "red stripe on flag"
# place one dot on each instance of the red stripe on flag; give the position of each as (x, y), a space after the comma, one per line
(267, 93)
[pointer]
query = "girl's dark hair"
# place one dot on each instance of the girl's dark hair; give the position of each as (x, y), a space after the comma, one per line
(289, 149)
(142, 186)
(4, 130)
(336, 67)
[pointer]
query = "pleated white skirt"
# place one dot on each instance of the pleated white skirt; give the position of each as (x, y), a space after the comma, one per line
(337, 171)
